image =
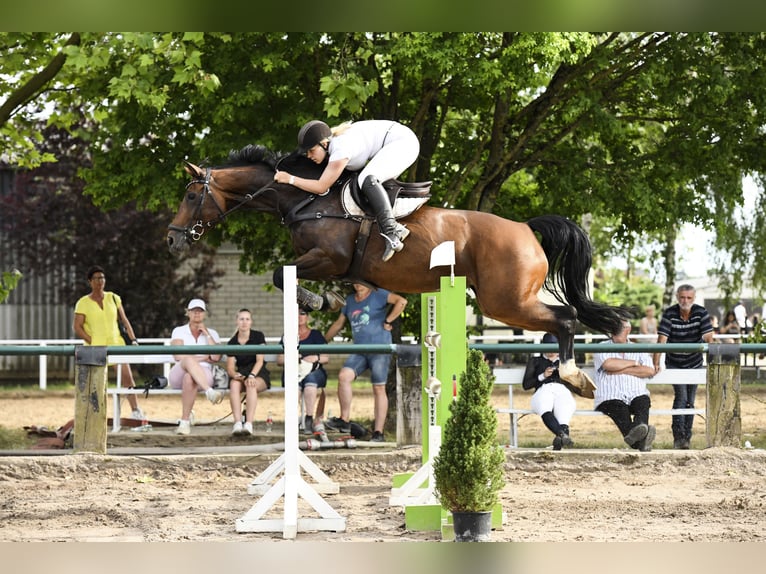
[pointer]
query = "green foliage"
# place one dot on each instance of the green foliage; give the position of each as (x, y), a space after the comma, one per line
(468, 470)
(651, 129)
(13, 439)
(8, 283)
(615, 287)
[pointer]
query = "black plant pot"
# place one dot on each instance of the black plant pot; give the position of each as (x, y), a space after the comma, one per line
(472, 526)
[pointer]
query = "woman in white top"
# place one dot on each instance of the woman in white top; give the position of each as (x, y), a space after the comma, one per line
(381, 149)
(194, 372)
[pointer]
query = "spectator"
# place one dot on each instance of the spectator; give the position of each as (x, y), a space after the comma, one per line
(95, 322)
(730, 327)
(684, 322)
(371, 318)
(194, 372)
(312, 378)
(246, 371)
(648, 325)
(378, 149)
(741, 315)
(551, 399)
(621, 391)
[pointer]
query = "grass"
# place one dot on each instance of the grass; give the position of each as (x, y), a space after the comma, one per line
(14, 439)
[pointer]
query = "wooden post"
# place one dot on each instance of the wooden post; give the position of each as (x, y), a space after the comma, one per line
(90, 399)
(409, 391)
(724, 423)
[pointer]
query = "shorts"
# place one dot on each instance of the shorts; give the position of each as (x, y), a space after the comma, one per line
(317, 377)
(176, 376)
(263, 374)
(377, 363)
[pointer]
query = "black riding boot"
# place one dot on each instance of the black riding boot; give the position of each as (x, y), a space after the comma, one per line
(393, 232)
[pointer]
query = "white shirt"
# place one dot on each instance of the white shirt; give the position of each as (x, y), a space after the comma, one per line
(184, 333)
(618, 386)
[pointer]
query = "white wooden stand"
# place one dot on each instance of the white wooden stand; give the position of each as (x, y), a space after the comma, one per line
(291, 484)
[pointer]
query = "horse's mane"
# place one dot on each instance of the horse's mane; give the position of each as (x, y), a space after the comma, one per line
(293, 162)
(251, 154)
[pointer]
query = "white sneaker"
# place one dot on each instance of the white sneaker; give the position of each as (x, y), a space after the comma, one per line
(138, 414)
(237, 428)
(247, 428)
(214, 396)
(184, 427)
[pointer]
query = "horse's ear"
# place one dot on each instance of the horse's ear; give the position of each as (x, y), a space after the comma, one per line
(193, 170)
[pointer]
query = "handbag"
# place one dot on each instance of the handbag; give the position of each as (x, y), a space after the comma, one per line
(121, 328)
(220, 377)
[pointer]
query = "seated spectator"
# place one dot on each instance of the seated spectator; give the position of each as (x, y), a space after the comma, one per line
(193, 373)
(621, 391)
(552, 400)
(730, 327)
(312, 378)
(246, 371)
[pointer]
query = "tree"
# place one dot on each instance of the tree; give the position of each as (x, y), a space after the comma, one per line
(652, 129)
(57, 232)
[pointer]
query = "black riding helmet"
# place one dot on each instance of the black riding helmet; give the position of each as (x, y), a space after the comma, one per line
(311, 134)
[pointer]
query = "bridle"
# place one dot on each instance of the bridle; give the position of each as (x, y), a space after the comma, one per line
(197, 230)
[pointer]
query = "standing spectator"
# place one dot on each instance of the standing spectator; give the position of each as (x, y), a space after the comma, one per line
(194, 372)
(370, 317)
(312, 378)
(648, 325)
(551, 400)
(741, 314)
(246, 371)
(684, 322)
(95, 322)
(621, 391)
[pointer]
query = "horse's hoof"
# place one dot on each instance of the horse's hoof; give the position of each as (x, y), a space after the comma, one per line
(580, 382)
(333, 301)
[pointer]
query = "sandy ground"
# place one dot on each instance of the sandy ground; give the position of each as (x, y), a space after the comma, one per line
(610, 494)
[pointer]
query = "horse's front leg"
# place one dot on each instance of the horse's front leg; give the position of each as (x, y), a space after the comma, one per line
(329, 301)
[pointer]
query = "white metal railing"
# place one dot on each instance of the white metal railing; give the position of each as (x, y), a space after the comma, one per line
(117, 359)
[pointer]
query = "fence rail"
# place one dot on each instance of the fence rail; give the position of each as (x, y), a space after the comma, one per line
(161, 346)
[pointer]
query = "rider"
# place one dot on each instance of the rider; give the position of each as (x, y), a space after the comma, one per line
(381, 149)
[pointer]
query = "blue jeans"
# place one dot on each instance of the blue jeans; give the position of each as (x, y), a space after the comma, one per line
(378, 365)
(683, 398)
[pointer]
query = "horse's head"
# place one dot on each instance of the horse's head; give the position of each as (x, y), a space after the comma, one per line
(242, 182)
(199, 210)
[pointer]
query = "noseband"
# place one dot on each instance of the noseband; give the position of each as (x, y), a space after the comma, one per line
(195, 232)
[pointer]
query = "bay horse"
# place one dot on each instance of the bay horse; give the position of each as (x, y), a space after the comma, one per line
(503, 261)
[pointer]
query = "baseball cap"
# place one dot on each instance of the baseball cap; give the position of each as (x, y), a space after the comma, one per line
(196, 304)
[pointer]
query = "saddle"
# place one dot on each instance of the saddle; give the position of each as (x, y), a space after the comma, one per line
(405, 197)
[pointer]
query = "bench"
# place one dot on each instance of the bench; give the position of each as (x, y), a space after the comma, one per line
(511, 377)
(167, 361)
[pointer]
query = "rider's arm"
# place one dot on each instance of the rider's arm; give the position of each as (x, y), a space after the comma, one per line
(318, 186)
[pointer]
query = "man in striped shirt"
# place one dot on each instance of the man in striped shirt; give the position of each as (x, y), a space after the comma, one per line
(684, 322)
(621, 391)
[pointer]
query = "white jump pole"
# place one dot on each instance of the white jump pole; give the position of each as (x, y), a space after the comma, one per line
(291, 484)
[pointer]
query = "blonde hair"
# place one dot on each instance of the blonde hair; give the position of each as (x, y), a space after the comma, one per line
(340, 129)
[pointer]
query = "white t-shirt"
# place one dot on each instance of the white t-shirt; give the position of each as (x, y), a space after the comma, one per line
(184, 333)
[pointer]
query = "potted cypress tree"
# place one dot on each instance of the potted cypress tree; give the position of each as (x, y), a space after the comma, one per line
(468, 471)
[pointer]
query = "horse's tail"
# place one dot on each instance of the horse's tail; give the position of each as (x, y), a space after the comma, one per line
(569, 261)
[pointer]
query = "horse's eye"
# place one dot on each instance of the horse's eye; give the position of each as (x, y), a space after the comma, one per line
(191, 196)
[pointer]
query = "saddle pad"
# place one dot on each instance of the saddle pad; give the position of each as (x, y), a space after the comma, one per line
(402, 207)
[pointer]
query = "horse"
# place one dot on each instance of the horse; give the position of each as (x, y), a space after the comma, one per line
(504, 262)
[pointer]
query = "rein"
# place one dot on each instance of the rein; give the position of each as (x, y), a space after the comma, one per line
(196, 231)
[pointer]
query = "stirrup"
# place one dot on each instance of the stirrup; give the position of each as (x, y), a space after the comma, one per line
(392, 246)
